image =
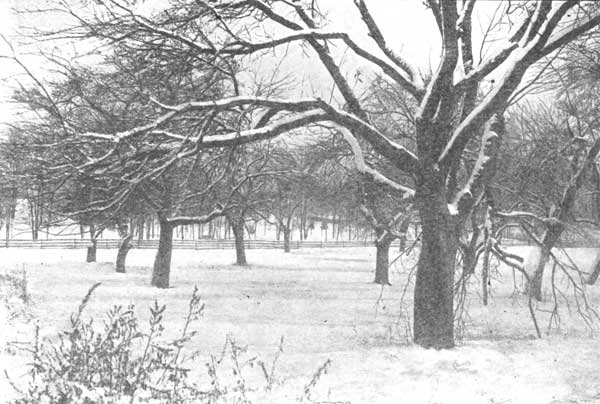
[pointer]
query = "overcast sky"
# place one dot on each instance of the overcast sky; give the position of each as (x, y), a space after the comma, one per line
(407, 24)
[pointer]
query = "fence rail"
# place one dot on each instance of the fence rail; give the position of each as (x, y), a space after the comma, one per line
(179, 244)
(229, 244)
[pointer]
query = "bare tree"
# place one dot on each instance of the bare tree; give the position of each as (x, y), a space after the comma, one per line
(559, 149)
(448, 117)
(250, 167)
(282, 193)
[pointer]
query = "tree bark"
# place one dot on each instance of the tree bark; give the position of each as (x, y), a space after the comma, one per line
(534, 286)
(124, 247)
(382, 263)
(551, 236)
(469, 251)
(91, 250)
(434, 286)
(485, 272)
(237, 228)
(162, 263)
(286, 239)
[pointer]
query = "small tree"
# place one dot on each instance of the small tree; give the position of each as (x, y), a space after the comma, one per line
(557, 155)
(251, 168)
(184, 195)
(285, 192)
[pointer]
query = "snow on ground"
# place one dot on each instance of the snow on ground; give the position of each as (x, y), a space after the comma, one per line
(324, 305)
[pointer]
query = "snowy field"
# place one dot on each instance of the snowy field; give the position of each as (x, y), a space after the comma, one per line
(324, 305)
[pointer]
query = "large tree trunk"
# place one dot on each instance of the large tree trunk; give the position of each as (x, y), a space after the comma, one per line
(434, 286)
(286, 238)
(538, 261)
(382, 263)
(124, 247)
(162, 262)
(536, 276)
(91, 252)
(91, 249)
(237, 228)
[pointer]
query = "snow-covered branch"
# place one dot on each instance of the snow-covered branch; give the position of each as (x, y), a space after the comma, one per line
(266, 132)
(558, 39)
(402, 157)
(515, 214)
(440, 86)
(185, 220)
(364, 168)
(484, 165)
(413, 81)
(518, 60)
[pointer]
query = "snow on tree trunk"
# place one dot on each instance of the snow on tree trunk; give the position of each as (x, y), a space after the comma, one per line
(124, 247)
(382, 263)
(434, 286)
(591, 280)
(162, 263)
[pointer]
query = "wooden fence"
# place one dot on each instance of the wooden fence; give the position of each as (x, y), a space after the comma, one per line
(250, 244)
(181, 244)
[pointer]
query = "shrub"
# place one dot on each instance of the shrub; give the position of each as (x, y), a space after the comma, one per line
(14, 294)
(119, 363)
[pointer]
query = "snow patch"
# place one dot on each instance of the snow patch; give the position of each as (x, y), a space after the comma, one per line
(453, 209)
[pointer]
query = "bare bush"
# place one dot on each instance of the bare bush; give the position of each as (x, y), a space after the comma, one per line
(119, 362)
